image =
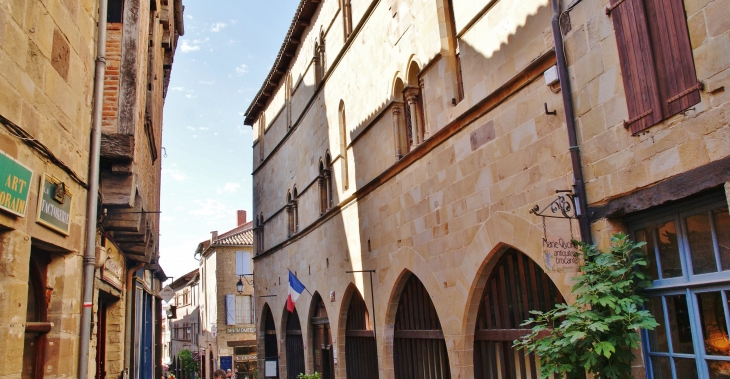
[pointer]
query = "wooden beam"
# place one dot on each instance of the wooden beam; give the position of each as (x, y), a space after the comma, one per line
(419, 334)
(711, 175)
(360, 333)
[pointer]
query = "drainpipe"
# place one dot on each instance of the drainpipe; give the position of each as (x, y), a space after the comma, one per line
(579, 187)
(92, 194)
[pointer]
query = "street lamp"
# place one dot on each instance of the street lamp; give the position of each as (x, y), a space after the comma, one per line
(239, 286)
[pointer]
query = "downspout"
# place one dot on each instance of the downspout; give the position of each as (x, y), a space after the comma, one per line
(579, 187)
(92, 194)
(129, 315)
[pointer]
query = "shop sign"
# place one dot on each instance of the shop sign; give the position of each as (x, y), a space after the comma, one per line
(15, 185)
(270, 369)
(246, 357)
(241, 330)
(112, 271)
(167, 293)
(54, 205)
(560, 254)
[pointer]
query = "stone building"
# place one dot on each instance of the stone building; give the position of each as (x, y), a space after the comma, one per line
(227, 322)
(183, 319)
(48, 54)
(422, 141)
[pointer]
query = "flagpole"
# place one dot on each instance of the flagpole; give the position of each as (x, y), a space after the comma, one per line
(305, 288)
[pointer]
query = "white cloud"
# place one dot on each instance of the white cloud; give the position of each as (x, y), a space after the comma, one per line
(218, 26)
(190, 128)
(186, 47)
(175, 174)
(193, 45)
(242, 69)
(230, 188)
(206, 81)
(189, 96)
(203, 128)
(209, 208)
(177, 88)
(189, 16)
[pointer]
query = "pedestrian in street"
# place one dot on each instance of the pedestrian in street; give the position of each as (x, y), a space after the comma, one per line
(229, 375)
(219, 374)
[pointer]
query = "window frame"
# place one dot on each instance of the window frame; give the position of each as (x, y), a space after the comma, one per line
(688, 284)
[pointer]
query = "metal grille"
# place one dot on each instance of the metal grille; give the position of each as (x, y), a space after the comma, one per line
(360, 350)
(294, 347)
(515, 287)
(419, 349)
(322, 344)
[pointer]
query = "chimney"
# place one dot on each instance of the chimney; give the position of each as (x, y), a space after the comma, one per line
(241, 217)
(213, 236)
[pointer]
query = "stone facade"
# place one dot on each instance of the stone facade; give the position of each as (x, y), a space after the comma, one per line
(219, 337)
(445, 203)
(183, 328)
(47, 55)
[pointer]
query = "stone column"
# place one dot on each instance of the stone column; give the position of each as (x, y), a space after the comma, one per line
(397, 132)
(412, 104)
(422, 92)
(328, 188)
(14, 266)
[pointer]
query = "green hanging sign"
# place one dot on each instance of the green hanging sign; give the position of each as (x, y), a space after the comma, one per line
(15, 179)
(54, 205)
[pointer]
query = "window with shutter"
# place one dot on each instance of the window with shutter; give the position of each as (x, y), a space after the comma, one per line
(243, 263)
(656, 60)
(230, 310)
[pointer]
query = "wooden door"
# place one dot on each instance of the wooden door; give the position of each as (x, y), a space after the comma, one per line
(515, 287)
(271, 350)
(101, 341)
(294, 346)
(419, 349)
(322, 340)
(360, 351)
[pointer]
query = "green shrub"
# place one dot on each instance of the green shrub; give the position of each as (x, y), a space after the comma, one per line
(316, 375)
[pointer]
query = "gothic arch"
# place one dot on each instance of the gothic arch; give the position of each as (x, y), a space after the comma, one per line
(267, 339)
(397, 87)
(292, 355)
(320, 339)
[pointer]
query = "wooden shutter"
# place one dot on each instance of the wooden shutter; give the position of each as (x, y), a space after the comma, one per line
(637, 64)
(230, 310)
(677, 80)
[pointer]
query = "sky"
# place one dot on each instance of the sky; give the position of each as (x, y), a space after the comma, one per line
(221, 62)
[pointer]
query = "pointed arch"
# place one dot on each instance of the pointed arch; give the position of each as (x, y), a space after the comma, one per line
(413, 100)
(321, 338)
(294, 345)
(361, 358)
(289, 215)
(343, 145)
(268, 339)
(402, 142)
(419, 348)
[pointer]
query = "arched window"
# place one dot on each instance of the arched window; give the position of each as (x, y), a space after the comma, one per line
(295, 210)
(322, 349)
(343, 146)
(271, 349)
(289, 215)
(360, 351)
(328, 180)
(259, 233)
(346, 18)
(401, 135)
(322, 189)
(413, 99)
(262, 131)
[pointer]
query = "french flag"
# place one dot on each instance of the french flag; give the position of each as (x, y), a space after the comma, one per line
(295, 289)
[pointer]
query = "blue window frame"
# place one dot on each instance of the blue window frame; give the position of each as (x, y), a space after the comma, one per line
(688, 245)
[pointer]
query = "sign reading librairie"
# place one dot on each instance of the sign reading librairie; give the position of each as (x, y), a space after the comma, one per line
(560, 254)
(54, 205)
(15, 180)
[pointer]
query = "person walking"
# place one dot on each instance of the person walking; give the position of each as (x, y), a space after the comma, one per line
(219, 374)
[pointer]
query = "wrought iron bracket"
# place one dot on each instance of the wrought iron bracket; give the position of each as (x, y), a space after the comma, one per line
(562, 207)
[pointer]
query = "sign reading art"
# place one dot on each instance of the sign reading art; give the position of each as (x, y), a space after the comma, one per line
(113, 269)
(560, 254)
(54, 205)
(14, 185)
(241, 330)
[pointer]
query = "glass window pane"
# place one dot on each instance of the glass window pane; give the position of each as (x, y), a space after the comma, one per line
(685, 368)
(719, 369)
(714, 327)
(658, 336)
(701, 250)
(722, 227)
(679, 324)
(660, 367)
(644, 235)
(669, 250)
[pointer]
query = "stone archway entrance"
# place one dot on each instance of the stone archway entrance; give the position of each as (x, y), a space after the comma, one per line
(419, 349)
(360, 350)
(515, 286)
(322, 351)
(294, 346)
(271, 350)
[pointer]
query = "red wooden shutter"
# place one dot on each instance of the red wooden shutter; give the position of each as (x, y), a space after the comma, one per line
(637, 64)
(678, 86)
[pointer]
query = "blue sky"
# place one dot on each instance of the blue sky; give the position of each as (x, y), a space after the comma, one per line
(228, 49)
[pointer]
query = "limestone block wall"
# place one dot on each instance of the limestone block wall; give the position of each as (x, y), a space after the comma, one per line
(616, 163)
(226, 280)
